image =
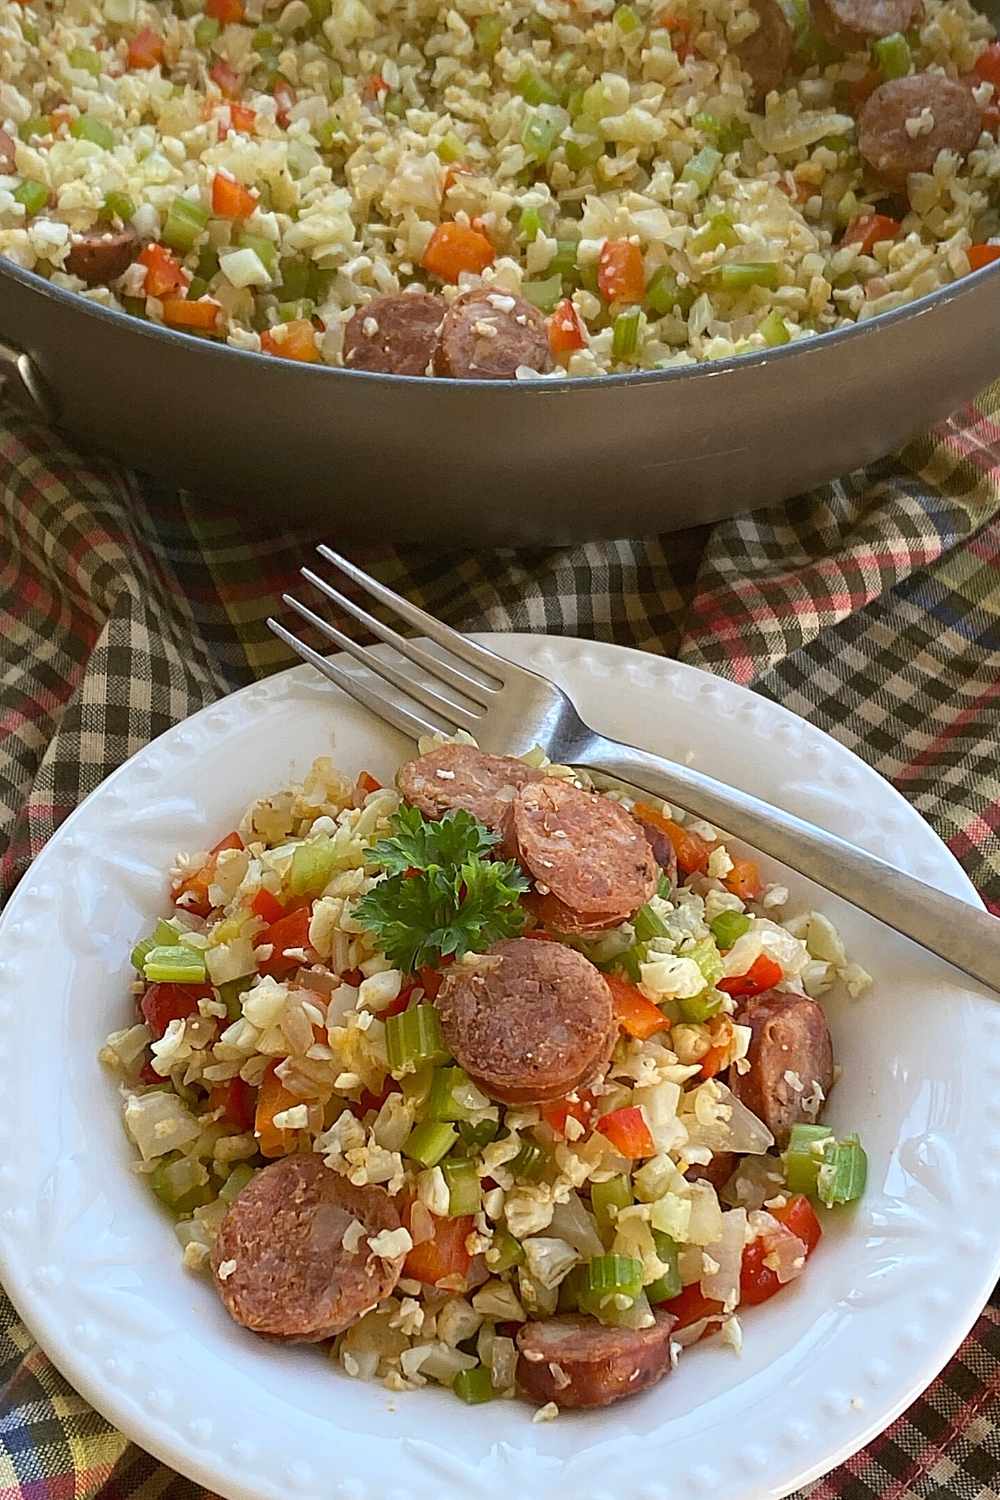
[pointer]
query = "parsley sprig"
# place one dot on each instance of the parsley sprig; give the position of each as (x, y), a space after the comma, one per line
(441, 896)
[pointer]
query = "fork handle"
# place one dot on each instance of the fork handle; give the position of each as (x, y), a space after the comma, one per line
(955, 930)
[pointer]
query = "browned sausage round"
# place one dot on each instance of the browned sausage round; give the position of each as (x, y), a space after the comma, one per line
(530, 1023)
(663, 850)
(279, 1260)
(790, 1053)
(853, 24)
(8, 153)
(395, 335)
(555, 916)
(100, 256)
(576, 1361)
(488, 334)
(585, 849)
(883, 139)
(461, 776)
(767, 52)
(718, 1171)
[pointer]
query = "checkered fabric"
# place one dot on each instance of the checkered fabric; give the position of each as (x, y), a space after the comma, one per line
(871, 607)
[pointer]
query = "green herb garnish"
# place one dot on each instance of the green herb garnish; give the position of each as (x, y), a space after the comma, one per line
(417, 844)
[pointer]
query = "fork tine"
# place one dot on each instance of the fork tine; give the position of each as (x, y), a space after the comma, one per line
(476, 692)
(460, 717)
(400, 718)
(474, 655)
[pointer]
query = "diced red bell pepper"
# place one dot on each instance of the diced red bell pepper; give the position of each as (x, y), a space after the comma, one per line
(227, 78)
(284, 98)
(192, 893)
(163, 1003)
(763, 974)
(558, 1111)
(867, 229)
(272, 1099)
(691, 849)
(637, 1015)
(564, 328)
(628, 1132)
(241, 118)
(298, 341)
(352, 976)
(145, 50)
(982, 255)
(237, 1100)
(430, 981)
(621, 277)
(758, 1282)
(443, 1255)
(862, 88)
(267, 907)
(368, 1100)
(397, 1006)
(230, 199)
(744, 880)
(987, 65)
(365, 785)
(164, 273)
(226, 12)
(690, 1306)
(454, 248)
(290, 931)
(200, 316)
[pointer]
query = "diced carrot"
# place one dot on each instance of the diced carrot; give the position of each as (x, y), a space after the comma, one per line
(164, 272)
(201, 316)
(564, 328)
(163, 1003)
(763, 974)
(192, 892)
(443, 1255)
(267, 907)
(628, 1132)
(744, 880)
(867, 229)
(620, 274)
(237, 1100)
(290, 931)
(558, 1111)
(375, 88)
(639, 1016)
(987, 65)
(272, 1098)
(227, 12)
(145, 50)
(454, 248)
(231, 200)
(719, 1054)
(365, 785)
(226, 77)
(982, 255)
(298, 341)
(690, 1306)
(691, 849)
(451, 176)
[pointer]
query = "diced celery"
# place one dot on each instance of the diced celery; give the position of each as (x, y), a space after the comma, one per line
(266, 39)
(743, 274)
(30, 32)
(648, 924)
(294, 281)
(804, 1155)
(581, 154)
(395, 105)
(732, 135)
(626, 20)
(663, 294)
(606, 1198)
(164, 936)
(706, 955)
(320, 10)
(181, 1183)
(540, 133)
(206, 31)
(543, 294)
(231, 994)
(238, 1179)
(534, 89)
(669, 1284)
(35, 125)
(429, 1142)
(118, 206)
(414, 1037)
(847, 209)
(729, 925)
(313, 864)
(775, 332)
(529, 225)
(473, 1386)
(625, 333)
(844, 1174)
(563, 263)
(663, 885)
(701, 1007)
(707, 124)
(265, 250)
(530, 1162)
(88, 128)
(290, 312)
(86, 59)
(463, 1188)
(473, 1138)
(450, 148)
(174, 965)
(441, 1102)
(185, 224)
(610, 1276)
(892, 55)
(588, 277)
(702, 167)
(488, 34)
(718, 230)
(570, 1288)
(504, 1252)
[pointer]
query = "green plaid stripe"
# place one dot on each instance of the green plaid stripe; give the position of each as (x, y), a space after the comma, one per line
(871, 607)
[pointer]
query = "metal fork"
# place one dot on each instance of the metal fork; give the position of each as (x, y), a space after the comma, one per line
(509, 708)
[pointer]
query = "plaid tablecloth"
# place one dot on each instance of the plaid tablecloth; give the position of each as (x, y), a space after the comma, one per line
(871, 607)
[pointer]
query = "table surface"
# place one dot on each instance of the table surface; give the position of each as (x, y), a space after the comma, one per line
(870, 606)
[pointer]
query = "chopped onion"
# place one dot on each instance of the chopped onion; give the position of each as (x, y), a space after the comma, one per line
(159, 1123)
(756, 1179)
(549, 1260)
(730, 1126)
(723, 1285)
(503, 1363)
(572, 1222)
(705, 1226)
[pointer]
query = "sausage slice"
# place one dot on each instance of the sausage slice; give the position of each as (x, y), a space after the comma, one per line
(790, 1053)
(576, 1361)
(585, 849)
(884, 141)
(767, 52)
(717, 1172)
(488, 334)
(100, 256)
(555, 916)
(532, 1022)
(462, 776)
(279, 1260)
(8, 153)
(853, 24)
(394, 335)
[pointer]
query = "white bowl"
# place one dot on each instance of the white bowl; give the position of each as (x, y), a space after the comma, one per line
(94, 1267)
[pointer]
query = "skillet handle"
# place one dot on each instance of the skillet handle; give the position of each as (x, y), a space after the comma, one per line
(22, 382)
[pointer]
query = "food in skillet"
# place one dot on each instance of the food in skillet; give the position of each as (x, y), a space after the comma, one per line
(494, 1081)
(499, 190)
